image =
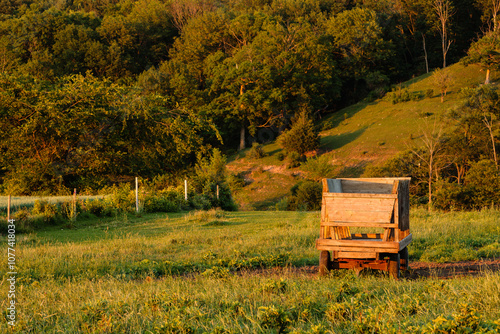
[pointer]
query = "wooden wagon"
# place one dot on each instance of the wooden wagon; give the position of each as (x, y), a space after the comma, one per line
(365, 224)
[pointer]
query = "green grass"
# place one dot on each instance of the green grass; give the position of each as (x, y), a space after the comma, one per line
(194, 273)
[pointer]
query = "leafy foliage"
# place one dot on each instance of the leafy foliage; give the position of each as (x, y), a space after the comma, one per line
(301, 137)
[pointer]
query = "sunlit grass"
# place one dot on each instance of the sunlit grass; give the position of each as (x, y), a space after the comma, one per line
(179, 273)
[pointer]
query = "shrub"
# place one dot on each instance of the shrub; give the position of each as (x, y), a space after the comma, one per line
(256, 151)
(210, 173)
(452, 196)
(306, 196)
(98, 207)
(301, 137)
(294, 159)
(484, 182)
(159, 203)
(319, 167)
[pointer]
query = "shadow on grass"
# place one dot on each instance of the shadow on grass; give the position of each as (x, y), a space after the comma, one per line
(337, 141)
(338, 117)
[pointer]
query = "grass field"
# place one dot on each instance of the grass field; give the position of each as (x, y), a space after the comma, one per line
(201, 272)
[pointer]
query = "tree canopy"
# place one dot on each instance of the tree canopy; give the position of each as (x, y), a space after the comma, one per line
(94, 91)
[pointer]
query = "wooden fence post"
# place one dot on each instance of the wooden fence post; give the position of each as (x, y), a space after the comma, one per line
(136, 194)
(186, 190)
(217, 192)
(8, 209)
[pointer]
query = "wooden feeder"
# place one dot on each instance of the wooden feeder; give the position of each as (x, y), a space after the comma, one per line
(365, 223)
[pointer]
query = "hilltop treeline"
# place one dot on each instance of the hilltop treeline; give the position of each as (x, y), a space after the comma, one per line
(94, 91)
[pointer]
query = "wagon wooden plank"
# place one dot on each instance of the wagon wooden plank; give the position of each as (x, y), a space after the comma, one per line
(377, 204)
(357, 186)
(360, 217)
(405, 242)
(367, 235)
(337, 249)
(360, 243)
(357, 255)
(351, 195)
(358, 224)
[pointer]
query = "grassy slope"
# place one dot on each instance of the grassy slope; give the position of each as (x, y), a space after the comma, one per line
(360, 135)
(97, 278)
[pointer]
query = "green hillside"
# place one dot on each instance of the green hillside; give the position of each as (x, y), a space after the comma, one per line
(364, 134)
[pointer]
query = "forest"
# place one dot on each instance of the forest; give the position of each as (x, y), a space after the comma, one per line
(94, 92)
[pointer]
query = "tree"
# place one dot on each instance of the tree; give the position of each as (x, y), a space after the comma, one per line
(486, 53)
(444, 11)
(481, 112)
(490, 11)
(443, 81)
(358, 40)
(280, 69)
(432, 140)
(88, 132)
(302, 136)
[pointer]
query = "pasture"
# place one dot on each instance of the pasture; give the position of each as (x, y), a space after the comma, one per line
(242, 272)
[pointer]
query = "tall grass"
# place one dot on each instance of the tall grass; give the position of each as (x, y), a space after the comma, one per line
(257, 304)
(193, 273)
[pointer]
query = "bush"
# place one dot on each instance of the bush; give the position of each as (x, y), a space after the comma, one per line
(301, 137)
(159, 203)
(211, 173)
(306, 195)
(319, 167)
(484, 182)
(256, 151)
(294, 160)
(98, 207)
(452, 196)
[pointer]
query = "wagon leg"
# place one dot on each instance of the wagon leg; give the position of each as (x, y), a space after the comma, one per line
(324, 262)
(404, 258)
(394, 265)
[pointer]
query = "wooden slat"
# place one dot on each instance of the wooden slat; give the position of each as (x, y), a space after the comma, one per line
(405, 242)
(359, 186)
(358, 224)
(334, 185)
(404, 204)
(357, 255)
(337, 249)
(367, 235)
(377, 204)
(380, 217)
(360, 243)
(351, 195)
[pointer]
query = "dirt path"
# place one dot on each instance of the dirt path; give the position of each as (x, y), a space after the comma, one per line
(453, 269)
(417, 269)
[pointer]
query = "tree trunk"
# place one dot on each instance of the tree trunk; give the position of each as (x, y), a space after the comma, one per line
(425, 55)
(489, 125)
(430, 185)
(242, 138)
(487, 80)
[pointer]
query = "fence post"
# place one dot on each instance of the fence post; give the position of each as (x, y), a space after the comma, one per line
(73, 213)
(136, 194)
(217, 192)
(8, 208)
(186, 190)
